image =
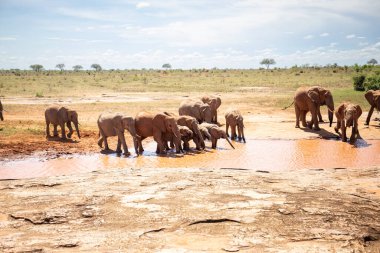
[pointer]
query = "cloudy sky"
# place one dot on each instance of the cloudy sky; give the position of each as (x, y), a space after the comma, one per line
(187, 33)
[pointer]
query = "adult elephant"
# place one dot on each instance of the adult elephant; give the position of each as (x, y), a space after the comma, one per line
(197, 109)
(157, 125)
(114, 124)
(310, 99)
(59, 115)
(373, 98)
(1, 111)
(215, 133)
(214, 102)
(347, 115)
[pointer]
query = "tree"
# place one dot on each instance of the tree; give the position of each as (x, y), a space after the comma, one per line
(372, 62)
(167, 66)
(96, 66)
(37, 67)
(60, 66)
(77, 67)
(267, 62)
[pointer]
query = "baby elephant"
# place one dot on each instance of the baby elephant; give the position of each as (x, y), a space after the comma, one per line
(234, 119)
(114, 124)
(347, 115)
(215, 133)
(186, 136)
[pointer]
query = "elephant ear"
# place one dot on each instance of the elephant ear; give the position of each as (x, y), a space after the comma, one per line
(370, 97)
(339, 113)
(314, 96)
(204, 109)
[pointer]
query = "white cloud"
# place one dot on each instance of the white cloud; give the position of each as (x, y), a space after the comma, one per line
(308, 37)
(350, 36)
(7, 38)
(363, 44)
(324, 34)
(141, 5)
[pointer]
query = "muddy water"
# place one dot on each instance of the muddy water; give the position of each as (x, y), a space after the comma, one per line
(267, 155)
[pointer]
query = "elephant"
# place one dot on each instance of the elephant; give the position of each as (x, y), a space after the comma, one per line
(193, 125)
(214, 102)
(310, 99)
(59, 115)
(1, 111)
(114, 124)
(235, 119)
(156, 125)
(373, 98)
(347, 115)
(215, 133)
(186, 136)
(197, 109)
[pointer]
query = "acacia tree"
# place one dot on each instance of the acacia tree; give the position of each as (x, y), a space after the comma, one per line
(60, 66)
(37, 67)
(267, 62)
(77, 67)
(372, 62)
(96, 66)
(167, 66)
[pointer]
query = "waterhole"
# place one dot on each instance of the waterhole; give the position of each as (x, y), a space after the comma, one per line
(266, 155)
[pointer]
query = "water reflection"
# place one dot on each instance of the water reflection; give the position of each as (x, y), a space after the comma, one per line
(255, 154)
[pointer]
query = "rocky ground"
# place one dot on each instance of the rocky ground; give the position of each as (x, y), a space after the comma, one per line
(193, 210)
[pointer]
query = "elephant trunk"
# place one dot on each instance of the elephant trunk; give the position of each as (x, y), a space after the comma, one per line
(199, 137)
(330, 106)
(1, 116)
(229, 142)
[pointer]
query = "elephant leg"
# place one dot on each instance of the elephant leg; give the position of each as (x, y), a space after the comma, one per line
(186, 145)
(121, 138)
(118, 147)
(55, 133)
(106, 147)
(100, 141)
(344, 136)
(242, 133)
(369, 115)
(239, 133)
(63, 131)
(227, 126)
(298, 111)
(319, 115)
(314, 119)
(140, 147)
(303, 118)
(47, 129)
(338, 126)
(157, 136)
(214, 142)
(71, 131)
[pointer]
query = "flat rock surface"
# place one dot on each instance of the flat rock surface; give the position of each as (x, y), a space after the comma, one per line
(193, 210)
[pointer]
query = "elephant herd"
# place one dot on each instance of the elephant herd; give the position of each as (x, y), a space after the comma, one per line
(347, 114)
(198, 121)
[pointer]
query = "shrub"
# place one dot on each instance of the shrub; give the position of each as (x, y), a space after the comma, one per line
(39, 94)
(372, 83)
(359, 82)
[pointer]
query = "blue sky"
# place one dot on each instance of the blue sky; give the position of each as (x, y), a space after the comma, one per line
(187, 33)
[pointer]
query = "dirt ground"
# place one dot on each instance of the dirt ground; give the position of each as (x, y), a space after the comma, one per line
(186, 209)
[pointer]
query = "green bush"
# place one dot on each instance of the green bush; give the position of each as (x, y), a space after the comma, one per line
(359, 82)
(372, 83)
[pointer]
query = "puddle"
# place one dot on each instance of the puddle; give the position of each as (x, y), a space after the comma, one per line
(268, 155)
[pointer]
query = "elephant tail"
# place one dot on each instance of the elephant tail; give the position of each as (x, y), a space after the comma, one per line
(286, 107)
